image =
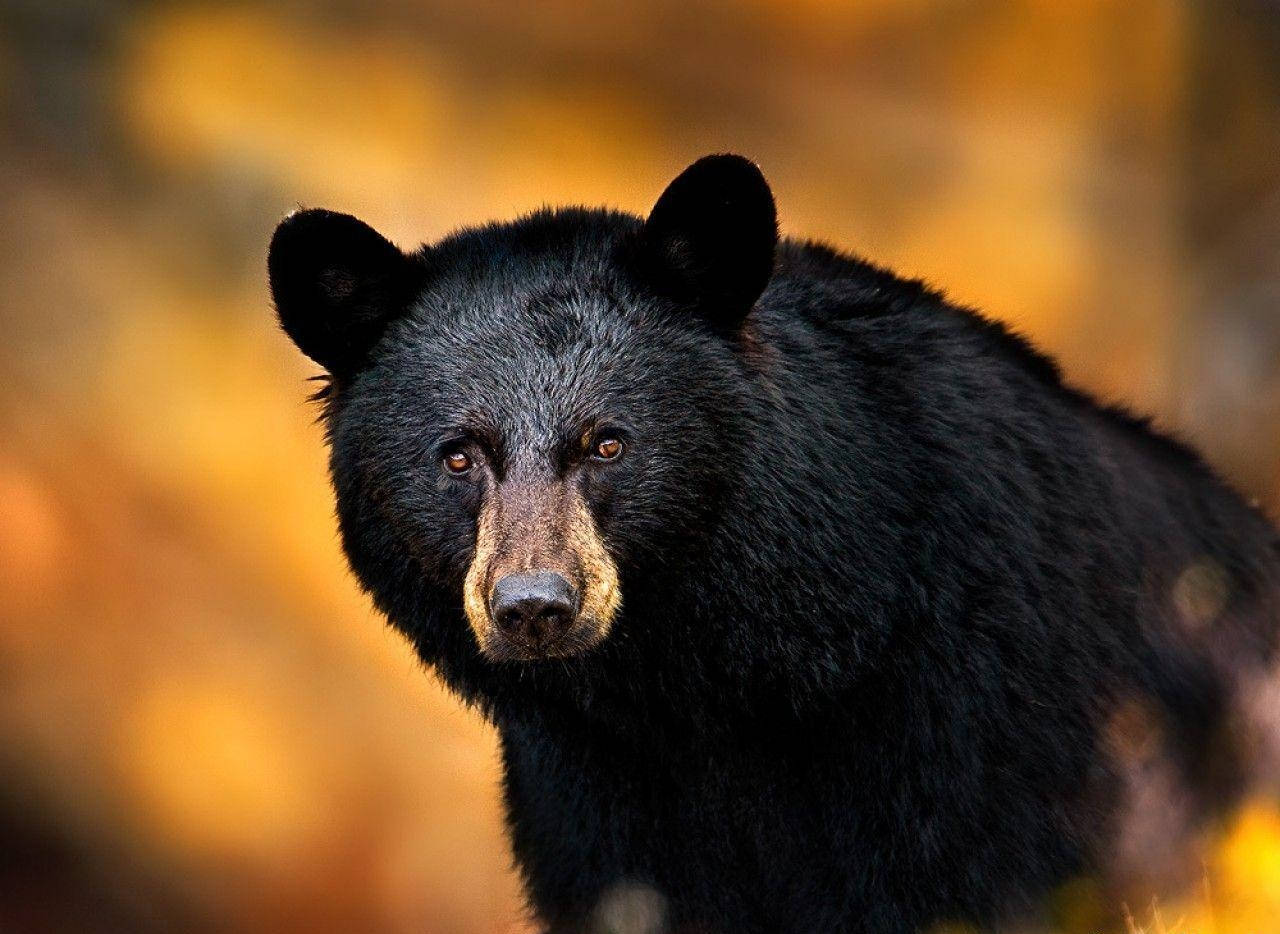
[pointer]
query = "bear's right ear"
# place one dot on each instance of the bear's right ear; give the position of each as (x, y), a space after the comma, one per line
(336, 283)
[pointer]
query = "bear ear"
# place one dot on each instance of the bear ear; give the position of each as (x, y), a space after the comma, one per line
(336, 283)
(710, 238)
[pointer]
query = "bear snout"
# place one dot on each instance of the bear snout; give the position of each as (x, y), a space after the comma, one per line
(534, 609)
(541, 583)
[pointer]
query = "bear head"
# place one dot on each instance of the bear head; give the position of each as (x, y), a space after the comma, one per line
(530, 421)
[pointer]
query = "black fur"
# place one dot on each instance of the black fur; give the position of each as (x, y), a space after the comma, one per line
(885, 579)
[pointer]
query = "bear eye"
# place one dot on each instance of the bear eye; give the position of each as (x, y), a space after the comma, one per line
(457, 462)
(607, 449)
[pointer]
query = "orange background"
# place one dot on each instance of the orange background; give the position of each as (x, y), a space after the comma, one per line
(203, 725)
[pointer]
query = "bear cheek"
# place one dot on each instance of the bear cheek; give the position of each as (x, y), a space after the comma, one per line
(601, 591)
(476, 584)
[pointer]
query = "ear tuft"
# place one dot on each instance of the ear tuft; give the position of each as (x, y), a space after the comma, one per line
(337, 283)
(710, 239)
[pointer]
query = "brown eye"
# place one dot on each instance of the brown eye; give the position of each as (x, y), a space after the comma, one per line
(457, 462)
(608, 449)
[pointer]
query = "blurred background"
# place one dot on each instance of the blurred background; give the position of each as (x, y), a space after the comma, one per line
(203, 725)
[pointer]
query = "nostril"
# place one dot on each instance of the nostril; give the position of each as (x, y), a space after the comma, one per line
(533, 606)
(529, 611)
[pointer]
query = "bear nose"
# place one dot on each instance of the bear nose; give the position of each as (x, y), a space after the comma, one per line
(535, 608)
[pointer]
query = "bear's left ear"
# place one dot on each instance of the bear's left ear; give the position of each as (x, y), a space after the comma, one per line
(710, 238)
(337, 283)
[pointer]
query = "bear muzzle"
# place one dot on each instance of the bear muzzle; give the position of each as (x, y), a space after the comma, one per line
(541, 582)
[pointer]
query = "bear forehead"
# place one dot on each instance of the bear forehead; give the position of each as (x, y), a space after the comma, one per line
(549, 316)
(547, 282)
(536, 253)
(558, 355)
(571, 327)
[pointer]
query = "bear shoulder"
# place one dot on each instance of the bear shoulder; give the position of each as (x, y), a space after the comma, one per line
(828, 286)
(856, 301)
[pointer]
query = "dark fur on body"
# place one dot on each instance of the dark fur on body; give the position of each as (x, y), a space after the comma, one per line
(885, 580)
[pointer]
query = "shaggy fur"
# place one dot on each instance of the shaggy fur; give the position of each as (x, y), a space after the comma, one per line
(885, 581)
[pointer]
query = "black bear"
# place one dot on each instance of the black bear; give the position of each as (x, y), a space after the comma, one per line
(801, 599)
